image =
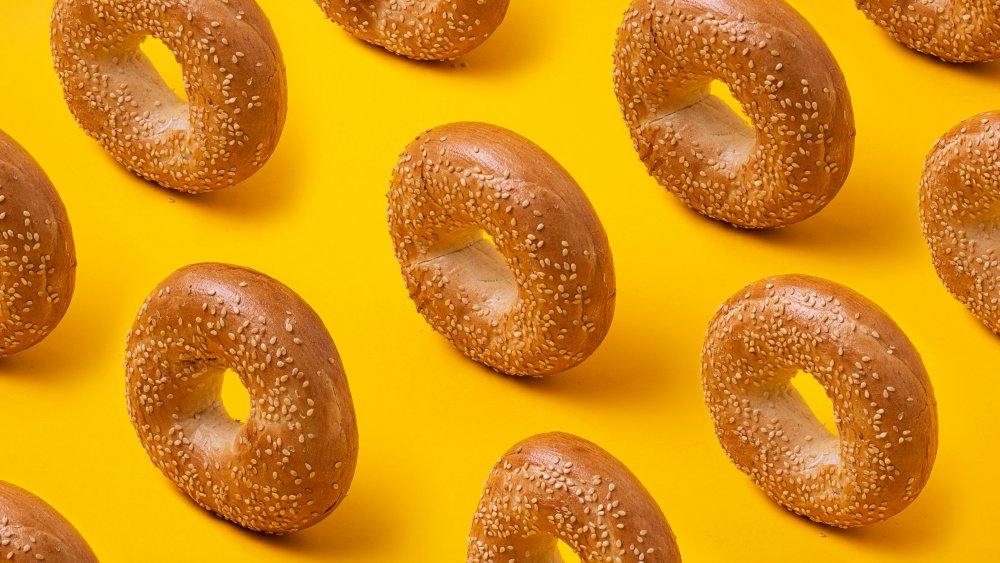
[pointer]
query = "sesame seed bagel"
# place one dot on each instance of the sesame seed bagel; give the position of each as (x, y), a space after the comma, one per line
(793, 159)
(959, 31)
(959, 203)
(418, 29)
(290, 464)
(31, 530)
(560, 487)
(234, 80)
(37, 256)
(883, 402)
(537, 300)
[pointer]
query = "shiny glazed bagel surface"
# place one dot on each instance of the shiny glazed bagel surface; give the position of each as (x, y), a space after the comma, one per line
(534, 298)
(32, 531)
(234, 80)
(795, 154)
(882, 398)
(419, 29)
(290, 464)
(37, 254)
(558, 486)
(960, 31)
(959, 206)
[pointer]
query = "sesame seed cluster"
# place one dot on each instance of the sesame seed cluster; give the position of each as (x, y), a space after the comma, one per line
(883, 401)
(540, 297)
(419, 29)
(960, 31)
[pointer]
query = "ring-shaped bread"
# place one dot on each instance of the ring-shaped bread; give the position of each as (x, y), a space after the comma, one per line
(501, 250)
(558, 486)
(234, 80)
(884, 407)
(290, 464)
(794, 155)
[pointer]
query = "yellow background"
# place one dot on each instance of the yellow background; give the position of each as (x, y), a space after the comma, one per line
(432, 423)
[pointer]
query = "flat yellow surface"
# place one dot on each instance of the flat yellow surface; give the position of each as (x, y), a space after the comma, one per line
(432, 423)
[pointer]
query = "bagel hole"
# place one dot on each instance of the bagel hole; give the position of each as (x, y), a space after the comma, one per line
(819, 403)
(472, 261)
(166, 66)
(719, 130)
(721, 91)
(235, 397)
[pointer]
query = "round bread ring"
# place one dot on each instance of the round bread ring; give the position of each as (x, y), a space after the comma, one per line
(540, 305)
(439, 30)
(793, 160)
(37, 256)
(959, 210)
(234, 79)
(561, 487)
(882, 398)
(292, 462)
(958, 31)
(31, 530)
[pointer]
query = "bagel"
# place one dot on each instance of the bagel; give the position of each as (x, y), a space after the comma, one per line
(234, 80)
(560, 487)
(31, 530)
(439, 30)
(883, 402)
(536, 300)
(796, 155)
(37, 256)
(959, 198)
(959, 31)
(290, 464)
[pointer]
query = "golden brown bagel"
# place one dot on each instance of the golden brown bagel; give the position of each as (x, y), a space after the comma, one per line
(958, 31)
(797, 154)
(540, 298)
(234, 79)
(419, 29)
(31, 530)
(959, 199)
(37, 256)
(560, 487)
(882, 399)
(292, 462)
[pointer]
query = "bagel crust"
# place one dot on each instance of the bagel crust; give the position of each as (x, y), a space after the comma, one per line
(958, 31)
(959, 199)
(290, 464)
(37, 256)
(234, 80)
(560, 487)
(418, 29)
(540, 298)
(31, 530)
(883, 402)
(792, 159)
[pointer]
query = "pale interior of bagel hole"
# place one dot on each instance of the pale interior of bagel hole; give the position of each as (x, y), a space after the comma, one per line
(807, 417)
(471, 260)
(235, 397)
(157, 85)
(712, 117)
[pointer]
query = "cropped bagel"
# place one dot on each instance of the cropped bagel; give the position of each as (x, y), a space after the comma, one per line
(31, 530)
(959, 195)
(883, 401)
(960, 31)
(536, 300)
(234, 80)
(37, 256)
(290, 464)
(439, 30)
(792, 159)
(560, 487)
